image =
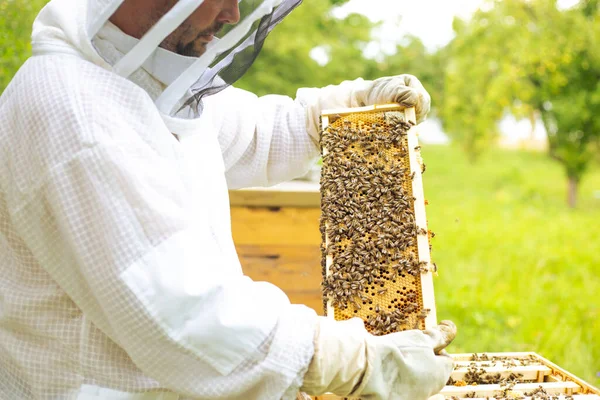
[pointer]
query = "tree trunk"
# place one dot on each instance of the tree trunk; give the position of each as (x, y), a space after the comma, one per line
(532, 122)
(471, 153)
(572, 191)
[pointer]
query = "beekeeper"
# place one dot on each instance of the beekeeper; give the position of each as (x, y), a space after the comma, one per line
(119, 278)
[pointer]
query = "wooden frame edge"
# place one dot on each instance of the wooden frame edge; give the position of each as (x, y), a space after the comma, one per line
(424, 255)
(329, 311)
(555, 368)
(377, 107)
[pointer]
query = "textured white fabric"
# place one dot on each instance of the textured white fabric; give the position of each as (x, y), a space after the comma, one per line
(118, 269)
(118, 246)
(274, 146)
(163, 65)
(350, 362)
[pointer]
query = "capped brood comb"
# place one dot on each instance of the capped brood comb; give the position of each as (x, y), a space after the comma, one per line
(375, 241)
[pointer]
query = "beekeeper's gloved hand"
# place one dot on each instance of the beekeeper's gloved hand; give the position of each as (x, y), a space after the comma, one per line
(406, 90)
(351, 362)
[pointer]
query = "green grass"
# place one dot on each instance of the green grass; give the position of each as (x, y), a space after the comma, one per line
(518, 269)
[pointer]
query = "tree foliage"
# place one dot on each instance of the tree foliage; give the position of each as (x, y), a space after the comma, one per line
(285, 62)
(571, 114)
(525, 57)
(16, 19)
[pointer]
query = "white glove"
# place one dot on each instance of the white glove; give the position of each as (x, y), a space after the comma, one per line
(351, 362)
(406, 90)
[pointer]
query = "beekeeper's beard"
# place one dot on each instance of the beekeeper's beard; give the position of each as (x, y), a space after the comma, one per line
(197, 46)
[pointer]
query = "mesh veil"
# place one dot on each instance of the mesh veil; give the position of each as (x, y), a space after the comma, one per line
(230, 67)
(226, 58)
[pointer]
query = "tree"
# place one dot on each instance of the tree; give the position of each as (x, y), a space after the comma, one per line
(479, 80)
(285, 62)
(525, 57)
(571, 114)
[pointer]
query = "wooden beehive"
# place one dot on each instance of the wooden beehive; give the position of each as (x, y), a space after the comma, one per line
(514, 376)
(276, 234)
(376, 252)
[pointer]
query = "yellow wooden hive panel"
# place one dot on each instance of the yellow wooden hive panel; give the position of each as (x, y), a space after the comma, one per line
(376, 252)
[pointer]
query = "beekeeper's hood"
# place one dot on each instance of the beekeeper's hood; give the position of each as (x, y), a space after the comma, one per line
(71, 26)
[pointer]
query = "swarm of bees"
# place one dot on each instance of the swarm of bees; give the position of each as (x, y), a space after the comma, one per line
(368, 226)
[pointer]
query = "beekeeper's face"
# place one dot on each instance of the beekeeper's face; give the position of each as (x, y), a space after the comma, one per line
(136, 17)
(191, 38)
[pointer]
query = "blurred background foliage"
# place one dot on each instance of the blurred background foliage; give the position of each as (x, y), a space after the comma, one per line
(16, 18)
(518, 230)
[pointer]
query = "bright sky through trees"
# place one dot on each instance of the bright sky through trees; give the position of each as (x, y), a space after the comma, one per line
(430, 20)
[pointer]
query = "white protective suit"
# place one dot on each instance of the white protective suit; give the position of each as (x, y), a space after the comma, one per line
(118, 275)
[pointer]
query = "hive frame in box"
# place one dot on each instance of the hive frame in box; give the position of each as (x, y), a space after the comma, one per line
(329, 117)
(537, 372)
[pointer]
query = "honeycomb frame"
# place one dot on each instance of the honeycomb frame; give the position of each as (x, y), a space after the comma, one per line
(386, 147)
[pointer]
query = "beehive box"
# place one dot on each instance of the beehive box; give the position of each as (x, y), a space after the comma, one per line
(514, 376)
(276, 234)
(375, 242)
